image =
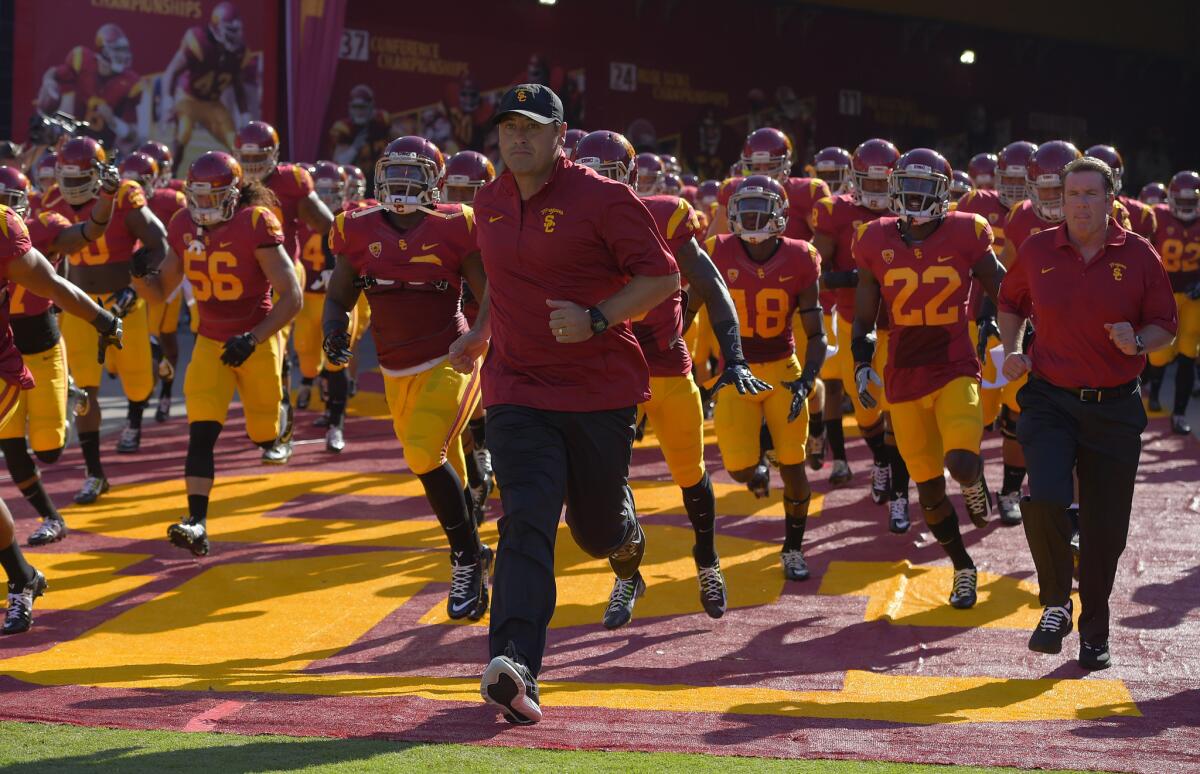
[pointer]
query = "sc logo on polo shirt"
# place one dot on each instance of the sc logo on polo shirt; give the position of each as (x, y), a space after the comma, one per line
(548, 215)
(1118, 270)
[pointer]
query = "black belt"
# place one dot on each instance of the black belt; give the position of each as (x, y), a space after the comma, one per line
(1096, 394)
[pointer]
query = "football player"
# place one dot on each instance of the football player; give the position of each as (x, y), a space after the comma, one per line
(771, 277)
(999, 404)
(229, 244)
(1177, 240)
(166, 164)
(41, 412)
(42, 179)
(674, 409)
(257, 148)
(920, 264)
(164, 318)
(832, 166)
(104, 269)
(1153, 194)
(23, 266)
(1141, 215)
(834, 221)
(960, 186)
(362, 135)
(571, 138)
(410, 255)
(210, 60)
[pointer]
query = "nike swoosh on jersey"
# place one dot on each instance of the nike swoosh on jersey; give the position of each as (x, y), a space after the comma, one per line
(785, 279)
(944, 258)
(494, 218)
(1048, 269)
(435, 244)
(225, 244)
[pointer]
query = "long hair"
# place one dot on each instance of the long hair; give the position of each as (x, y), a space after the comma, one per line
(254, 193)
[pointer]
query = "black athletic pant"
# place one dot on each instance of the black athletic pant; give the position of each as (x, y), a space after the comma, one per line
(1101, 441)
(543, 459)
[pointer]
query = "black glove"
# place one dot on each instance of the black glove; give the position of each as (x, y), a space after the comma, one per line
(364, 282)
(740, 376)
(238, 349)
(988, 330)
(1194, 292)
(801, 389)
(139, 263)
(110, 178)
(121, 302)
(109, 327)
(337, 348)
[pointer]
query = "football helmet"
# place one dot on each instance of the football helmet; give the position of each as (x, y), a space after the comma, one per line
(920, 186)
(1044, 179)
(767, 151)
(1011, 166)
(408, 175)
(43, 172)
(329, 181)
(689, 179)
(362, 104)
(960, 185)
(466, 172)
(356, 183)
(161, 154)
(672, 185)
(142, 168)
(1151, 193)
(212, 188)
(257, 149)
(225, 25)
(671, 164)
(832, 165)
(758, 208)
(1112, 157)
(608, 153)
(650, 174)
(571, 138)
(1183, 195)
(77, 170)
(113, 47)
(872, 162)
(981, 170)
(707, 191)
(14, 190)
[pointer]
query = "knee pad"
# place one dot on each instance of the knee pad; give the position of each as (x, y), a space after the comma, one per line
(16, 456)
(202, 440)
(49, 456)
(1008, 422)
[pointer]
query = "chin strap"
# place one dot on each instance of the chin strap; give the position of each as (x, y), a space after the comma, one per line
(422, 208)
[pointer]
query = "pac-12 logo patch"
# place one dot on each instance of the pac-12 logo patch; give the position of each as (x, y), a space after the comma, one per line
(376, 248)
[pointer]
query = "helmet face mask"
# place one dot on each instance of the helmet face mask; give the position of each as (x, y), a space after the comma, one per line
(1046, 193)
(258, 163)
(1183, 196)
(14, 190)
(331, 193)
(405, 185)
(872, 189)
(1012, 167)
(212, 188)
(758, 210)
(78, 187)
(118, 55)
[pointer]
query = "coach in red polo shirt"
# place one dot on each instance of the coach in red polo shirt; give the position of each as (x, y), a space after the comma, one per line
(1101, 300)
(570, 257)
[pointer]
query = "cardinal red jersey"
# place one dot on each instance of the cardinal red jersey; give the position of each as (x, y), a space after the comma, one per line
(209, 67)
(987, 203)
(1178, 245)
(35, 202)
(313, 258)
(290, 183)
(43, 228)
(726, 190)
(417, 279)
(14, 243)
(1141, 216)
(118, 243)
(925, 289)
(229, 285)
(175, 184)
(164, 203)
(765, 294)
(803, 193)
(80, 75)
(660, 331)
(838, 217)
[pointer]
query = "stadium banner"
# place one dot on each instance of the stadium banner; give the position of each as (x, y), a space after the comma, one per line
(314, 38)
(183, 72)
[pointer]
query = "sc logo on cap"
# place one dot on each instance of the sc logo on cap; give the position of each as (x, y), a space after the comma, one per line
(522, 95)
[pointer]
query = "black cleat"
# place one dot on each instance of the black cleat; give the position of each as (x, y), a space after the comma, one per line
(979, 502)
(795, 568)
(188, 536)
(50, 531)
(130, 441)
(19, 616)
(962, 595)
(93, 487)
(469, 585)
(1009, 506)
(1179, 425)
(712, 588)
(1054, 626)
(621, 601)
(509, 684)
(898, 520)
(840, 475)
(1094, 656)
(881, 483)
(163, 412)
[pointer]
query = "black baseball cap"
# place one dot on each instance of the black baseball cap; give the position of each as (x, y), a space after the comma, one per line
(533, 101)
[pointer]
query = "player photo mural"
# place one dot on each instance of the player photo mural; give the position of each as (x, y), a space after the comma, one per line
(185, 73)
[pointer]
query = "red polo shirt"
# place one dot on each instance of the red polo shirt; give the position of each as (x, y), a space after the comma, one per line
(1070, 302)
(580, 238)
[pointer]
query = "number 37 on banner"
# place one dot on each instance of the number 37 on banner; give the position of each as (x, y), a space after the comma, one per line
(355, 44)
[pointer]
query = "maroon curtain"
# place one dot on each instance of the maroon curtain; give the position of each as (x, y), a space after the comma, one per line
(314, 35)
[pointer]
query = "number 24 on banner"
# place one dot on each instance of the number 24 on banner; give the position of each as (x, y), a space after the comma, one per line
(355, 44)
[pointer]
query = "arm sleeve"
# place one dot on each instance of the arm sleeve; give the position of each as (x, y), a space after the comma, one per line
(632, 236)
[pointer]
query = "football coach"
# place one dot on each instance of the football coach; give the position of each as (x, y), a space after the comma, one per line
(570, 258)
(1101, 300)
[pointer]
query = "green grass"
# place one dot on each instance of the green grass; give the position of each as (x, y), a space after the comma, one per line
(34, 747)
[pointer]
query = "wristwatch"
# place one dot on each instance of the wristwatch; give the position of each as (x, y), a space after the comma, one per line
(1141, 346)
(599, 321)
